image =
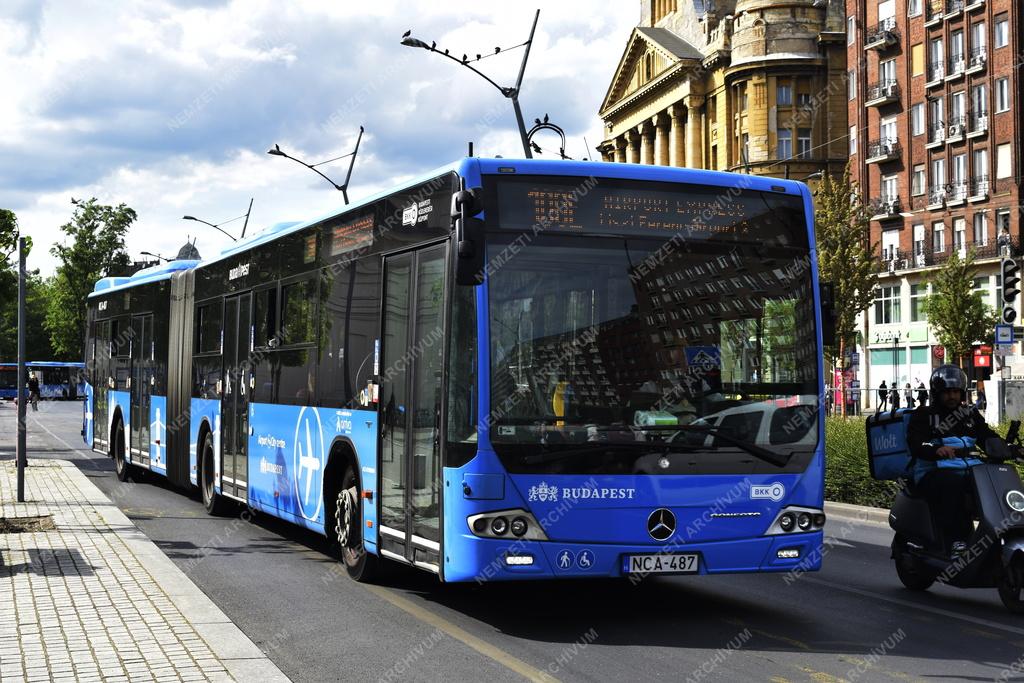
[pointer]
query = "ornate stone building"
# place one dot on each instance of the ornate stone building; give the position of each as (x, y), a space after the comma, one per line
(754, 86)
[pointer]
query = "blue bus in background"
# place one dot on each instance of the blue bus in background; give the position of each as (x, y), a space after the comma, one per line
(504, 369)
(57, 379)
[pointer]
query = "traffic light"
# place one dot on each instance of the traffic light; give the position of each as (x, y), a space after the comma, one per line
(1011, 288)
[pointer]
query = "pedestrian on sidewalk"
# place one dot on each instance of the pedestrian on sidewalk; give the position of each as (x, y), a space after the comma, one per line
(922, 393)
(980, 401)
(883, 395)
(908, 394)
(33, 391)
(894, 395)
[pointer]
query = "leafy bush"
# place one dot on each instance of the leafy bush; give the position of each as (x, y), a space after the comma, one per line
(847, 478)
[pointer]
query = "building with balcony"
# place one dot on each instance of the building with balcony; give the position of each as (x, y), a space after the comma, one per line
(754, 86)
(935, 145)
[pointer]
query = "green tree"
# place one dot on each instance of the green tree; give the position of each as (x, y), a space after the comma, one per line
(94, 248)
(37, 342)
(846, 257)
(955, 309)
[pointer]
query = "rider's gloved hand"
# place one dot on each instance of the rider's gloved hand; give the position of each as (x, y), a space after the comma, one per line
(946, 452)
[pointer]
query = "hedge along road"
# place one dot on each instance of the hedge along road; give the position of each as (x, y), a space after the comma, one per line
(852, 621)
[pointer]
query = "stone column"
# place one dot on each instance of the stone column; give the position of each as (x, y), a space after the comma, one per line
(632, 146)
(661, 139)
(620, 149)
(694, 137)
(646, 131)
(677, 115)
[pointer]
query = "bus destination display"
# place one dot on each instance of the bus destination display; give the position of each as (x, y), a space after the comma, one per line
(699, 212)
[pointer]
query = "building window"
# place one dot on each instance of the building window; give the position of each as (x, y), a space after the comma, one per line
(917, 186)
(913, 8)
(887, 305)
(1002, 95)
(980, 229)
(1002, 37)
(917, 60)
(851, 30)
(960, 234)
(918, 294)
(938, 237)
(887, 71)
(917, 119)
(919, 243)
(745, 142)
(981, 286)
(979, 38)
(851, 84)
(979, 100)
(784, 95)
(1004, 161)
(1002, 221)
(853, 140)
(785, 144)
(803, 143)
(938, 172)
(712, 110)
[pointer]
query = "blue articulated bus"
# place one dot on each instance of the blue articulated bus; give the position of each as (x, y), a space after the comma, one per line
(57, 379)
(505, 369)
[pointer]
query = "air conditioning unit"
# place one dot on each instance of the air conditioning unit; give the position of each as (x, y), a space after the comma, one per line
(889, 89)
(957, 67)
(955, 130)
(904, 263)
(891, 207)
(919, 260)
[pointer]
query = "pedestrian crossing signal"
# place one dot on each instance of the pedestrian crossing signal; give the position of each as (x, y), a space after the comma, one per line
(1010, 270)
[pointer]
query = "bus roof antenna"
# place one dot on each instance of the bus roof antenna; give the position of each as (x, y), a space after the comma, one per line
(470, 148)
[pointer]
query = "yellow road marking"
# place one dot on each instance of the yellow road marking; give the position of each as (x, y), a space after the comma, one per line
(483, 647)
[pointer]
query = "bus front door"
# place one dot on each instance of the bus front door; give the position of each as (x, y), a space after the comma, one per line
(410, 399)
(235, 403)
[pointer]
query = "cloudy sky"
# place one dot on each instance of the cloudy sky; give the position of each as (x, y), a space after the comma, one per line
(170, 106)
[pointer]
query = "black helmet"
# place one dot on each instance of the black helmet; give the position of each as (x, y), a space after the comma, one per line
(947, 377)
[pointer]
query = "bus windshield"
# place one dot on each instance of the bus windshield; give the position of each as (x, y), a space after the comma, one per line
(608, 350)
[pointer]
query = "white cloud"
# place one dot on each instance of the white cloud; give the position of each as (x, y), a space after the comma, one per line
(170, 107)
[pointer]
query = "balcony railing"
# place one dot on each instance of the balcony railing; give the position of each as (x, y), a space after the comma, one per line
(925, 257)
(883, 92)
(956, 193)
(885, 207)
(957, 66)
(979, 124)
(957, 126)
(936, 71)
(976, 59)
(979, 188)
(937, 133)
(885, 149)
(936, 195)
(882, 36)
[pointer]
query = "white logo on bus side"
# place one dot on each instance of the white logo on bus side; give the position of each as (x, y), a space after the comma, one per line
(775, 491)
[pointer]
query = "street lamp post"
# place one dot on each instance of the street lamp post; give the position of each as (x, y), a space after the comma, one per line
(217, 225)
(343, 188)
(511, 93)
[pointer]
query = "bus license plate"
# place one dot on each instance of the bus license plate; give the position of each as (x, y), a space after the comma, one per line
(675, 563)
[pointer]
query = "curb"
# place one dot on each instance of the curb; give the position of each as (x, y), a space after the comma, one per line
(857, 513)
(241, 657)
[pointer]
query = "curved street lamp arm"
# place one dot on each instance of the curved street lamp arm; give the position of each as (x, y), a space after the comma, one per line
(311, 168)
(507, 92)
(217, 227)
(526, 55)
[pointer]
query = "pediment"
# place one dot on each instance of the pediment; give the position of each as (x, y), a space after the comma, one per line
(650, 53)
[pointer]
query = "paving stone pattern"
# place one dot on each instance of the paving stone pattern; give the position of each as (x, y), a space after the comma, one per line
(77, 603)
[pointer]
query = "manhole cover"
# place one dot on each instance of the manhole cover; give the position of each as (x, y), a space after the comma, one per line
(26, 525)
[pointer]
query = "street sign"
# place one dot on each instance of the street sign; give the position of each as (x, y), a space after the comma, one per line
(1002, 351)
(1004, 334)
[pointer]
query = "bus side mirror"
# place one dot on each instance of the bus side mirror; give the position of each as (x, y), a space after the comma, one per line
(827, 293)
(469, 236)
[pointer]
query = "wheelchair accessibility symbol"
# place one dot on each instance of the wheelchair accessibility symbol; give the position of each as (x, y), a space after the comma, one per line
(565, 560)
(585, 560)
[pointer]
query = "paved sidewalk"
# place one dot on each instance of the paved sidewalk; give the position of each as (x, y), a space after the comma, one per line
(94, 599)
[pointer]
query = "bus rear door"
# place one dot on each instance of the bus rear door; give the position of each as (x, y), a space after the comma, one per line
(235, 403)
(410, 399)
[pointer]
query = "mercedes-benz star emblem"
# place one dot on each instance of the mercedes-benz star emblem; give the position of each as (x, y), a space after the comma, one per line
(661, 524)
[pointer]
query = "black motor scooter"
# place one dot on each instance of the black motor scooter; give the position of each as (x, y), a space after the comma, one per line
(995, 552)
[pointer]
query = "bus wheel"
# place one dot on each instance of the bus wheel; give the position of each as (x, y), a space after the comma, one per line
(118, 446)
(348, 530)
(211, 501)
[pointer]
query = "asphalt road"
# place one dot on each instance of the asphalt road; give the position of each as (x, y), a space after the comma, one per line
(852, 621)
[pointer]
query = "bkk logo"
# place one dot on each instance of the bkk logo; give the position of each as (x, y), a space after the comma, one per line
(774, 491)
(308, 462)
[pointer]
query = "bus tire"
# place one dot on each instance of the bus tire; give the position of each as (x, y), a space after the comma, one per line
(117, 451)
(213, 503)
(348, 530)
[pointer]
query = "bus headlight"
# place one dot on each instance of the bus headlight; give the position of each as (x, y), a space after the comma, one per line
(792, 519)
(496, 524)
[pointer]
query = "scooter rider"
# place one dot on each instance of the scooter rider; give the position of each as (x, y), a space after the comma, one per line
(934, 434)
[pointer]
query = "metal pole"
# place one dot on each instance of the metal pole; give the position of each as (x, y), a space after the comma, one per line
(22, 394)
(519, 84)
(522, 126)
